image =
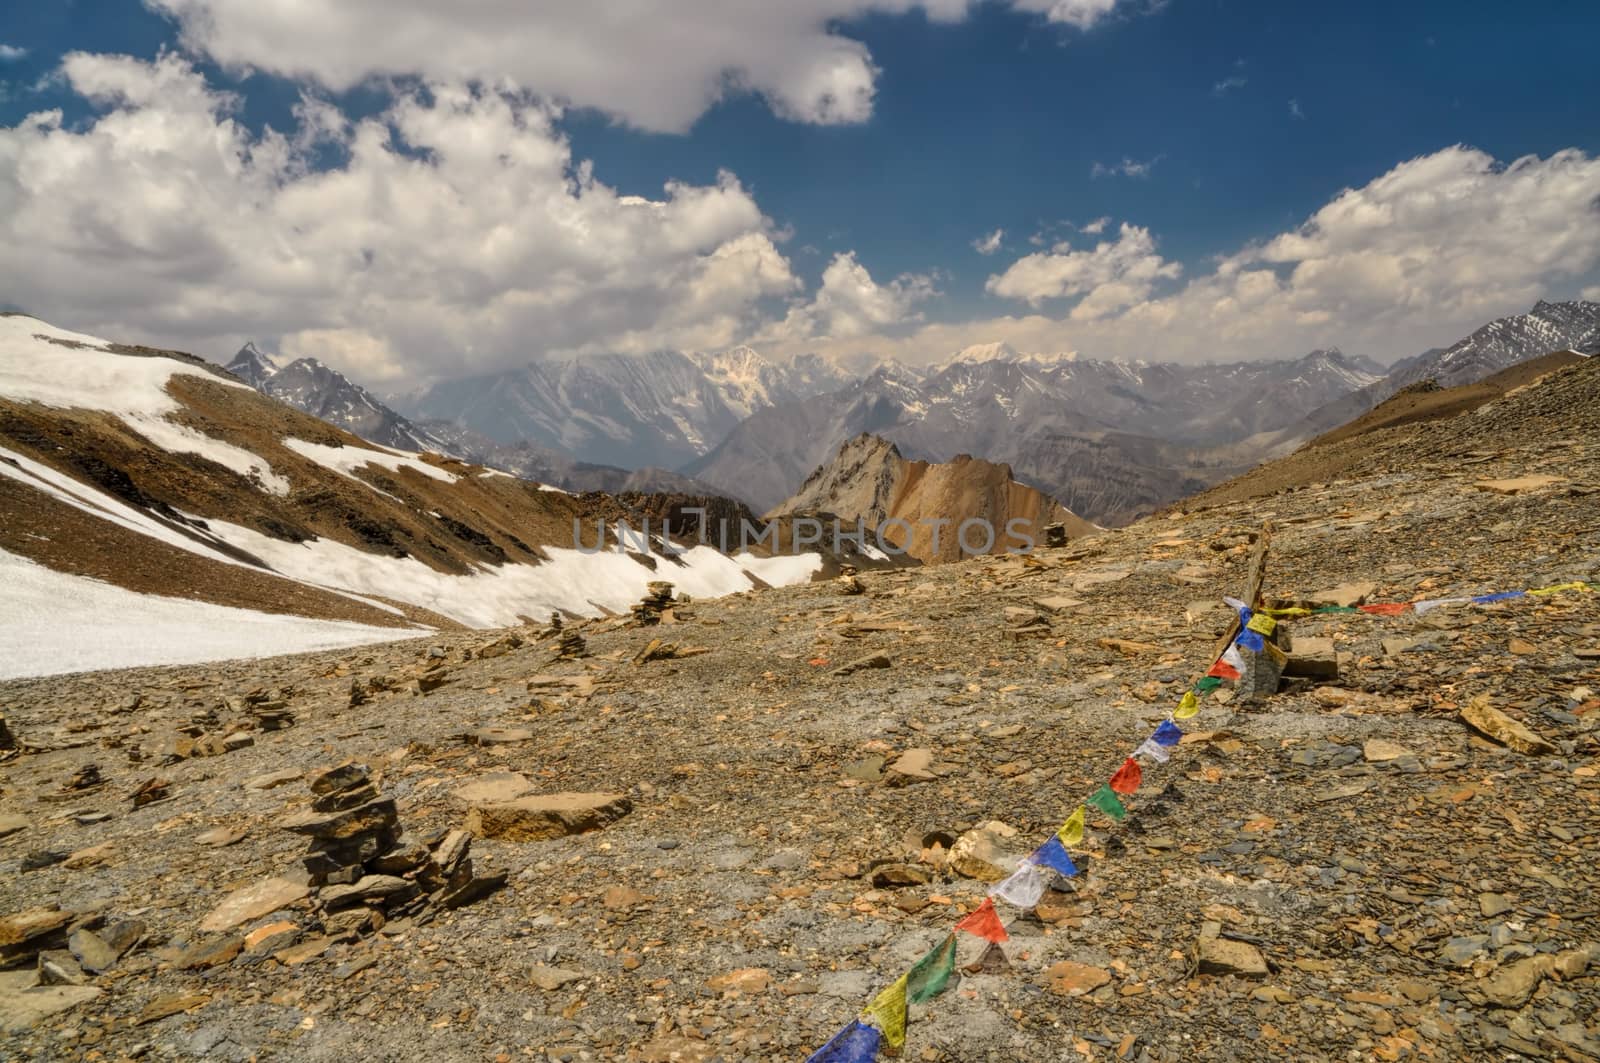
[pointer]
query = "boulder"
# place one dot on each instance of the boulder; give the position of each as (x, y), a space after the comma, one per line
(542, 816)
(981, 854)
(1484, 718)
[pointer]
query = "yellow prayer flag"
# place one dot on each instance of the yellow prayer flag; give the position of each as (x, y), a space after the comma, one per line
(1187, 707)
(1071, 832)
(1262, 624)
(1559, 587)
(888, 1013)
(1286, 614)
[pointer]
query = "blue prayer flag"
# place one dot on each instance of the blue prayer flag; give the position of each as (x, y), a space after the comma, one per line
(1053, 854)
(1252, 641)
(1168, 734)
(1484, 599)
(856, 1043)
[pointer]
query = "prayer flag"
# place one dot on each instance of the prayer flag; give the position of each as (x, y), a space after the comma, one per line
(1559, 587)
(1386, 608)
(1053, 854)
(1336, 609)
(1128, 777)
(984, 923)
(856, 1043)
(1288, 614)
(1223, 670)
(1236, 604)
(1188, 706)
(1071, 832)
(1252, 641)
(1207, 685)
(1232, 657)
(1485, 599)
(930, 975)
(1262, 624)
(1427, 606)
(1107, 802)
(888, 1013)
(1025, 886)
(1154, 750)
(1168, 734)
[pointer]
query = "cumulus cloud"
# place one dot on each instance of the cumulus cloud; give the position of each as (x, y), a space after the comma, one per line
(10, 53)
(655, 66)
(1080, 13)
(455, 233)
(1111, 275)
(1096, 227)
(849, 303)
(1417, 257)
(1125, 168)
(988, 245)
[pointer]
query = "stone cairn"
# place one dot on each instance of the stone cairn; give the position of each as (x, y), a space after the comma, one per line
(367, 869)
(1055, 535)
(572, 646)
(649, 611)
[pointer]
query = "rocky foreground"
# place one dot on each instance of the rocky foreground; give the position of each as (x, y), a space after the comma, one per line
(714, 830)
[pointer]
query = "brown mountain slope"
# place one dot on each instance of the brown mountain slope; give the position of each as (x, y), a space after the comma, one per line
(1563, 400)
(868, 480)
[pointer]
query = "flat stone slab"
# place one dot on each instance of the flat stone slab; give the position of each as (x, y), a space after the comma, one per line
(542, 816)
(1345, 594)
(914, 765)
(24, 1004)
(1058, 603)
(493, 788)
(1484, 718)
(252, 902)
(1516, 485)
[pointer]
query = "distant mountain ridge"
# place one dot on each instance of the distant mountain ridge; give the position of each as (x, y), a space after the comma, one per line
(325, 393)
(661, 409)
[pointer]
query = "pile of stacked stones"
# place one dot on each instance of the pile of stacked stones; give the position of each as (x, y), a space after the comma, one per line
(649, 610)
(366, 868)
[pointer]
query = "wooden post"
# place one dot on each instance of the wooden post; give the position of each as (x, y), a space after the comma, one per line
(1252, 594)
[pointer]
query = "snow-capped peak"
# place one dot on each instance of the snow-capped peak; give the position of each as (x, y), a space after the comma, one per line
(252, 365)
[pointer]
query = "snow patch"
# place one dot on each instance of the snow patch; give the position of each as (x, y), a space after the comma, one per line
(346, 460)
(56, 623)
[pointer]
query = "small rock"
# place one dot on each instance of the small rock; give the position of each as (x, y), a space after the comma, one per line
(1070, 979)
(745, 980)
(1381, 751)
(912, 766)
(57, 967)
(213, 952)
(1493, 904)
(876, 660)
(252, 902)
(1345, 595)
(92, 953)
(1215, 954)
(273, 779)
(1484, 718)
(272, 937)
(553, 978)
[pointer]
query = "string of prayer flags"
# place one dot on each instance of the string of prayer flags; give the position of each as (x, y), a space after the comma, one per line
(930, 975)
(888, 1013)
(1187, 707)
(856, 1043)
(1024, 887)
(1336, 609)
(984, 923)
(1168, 734)
(1106, 801)
(1127, 778)
(1071, 832)
(1053, 854)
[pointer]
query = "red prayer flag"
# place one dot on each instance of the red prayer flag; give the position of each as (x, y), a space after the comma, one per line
(1223, 670)
(1386, 608)
(984, 923)
(1127, 778)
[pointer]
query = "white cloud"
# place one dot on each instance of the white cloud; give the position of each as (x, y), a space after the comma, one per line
(1229, 84)
(1096, 227)
(1080, 13)
(456, 234)
(988, 245)
(1417, 257)
(1294, 109)
(657, 66)
(10, 53)
(1592, 294)
(850, 303)
(1125, 168)
(1112, 275)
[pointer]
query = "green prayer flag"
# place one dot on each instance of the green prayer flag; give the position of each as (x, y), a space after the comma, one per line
(929, 975)
(1336, 609)
(1208, 684)
(1106, 801)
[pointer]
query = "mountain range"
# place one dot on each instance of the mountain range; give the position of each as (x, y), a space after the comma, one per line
(1109, 440)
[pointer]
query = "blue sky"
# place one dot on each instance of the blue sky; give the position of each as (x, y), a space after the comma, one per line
(1240, 121)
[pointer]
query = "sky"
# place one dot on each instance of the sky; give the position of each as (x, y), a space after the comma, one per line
(415, 191)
